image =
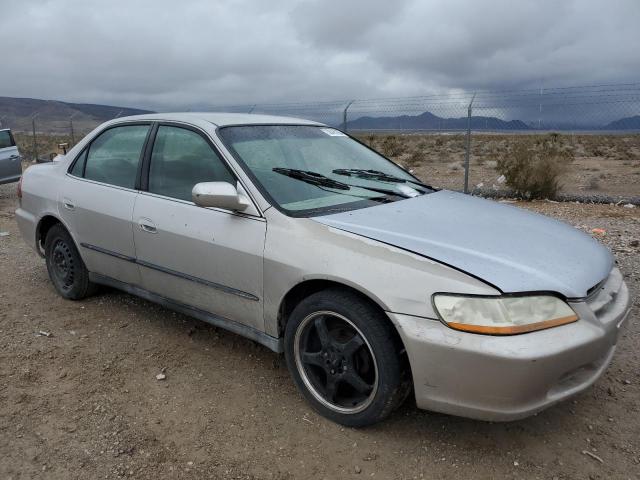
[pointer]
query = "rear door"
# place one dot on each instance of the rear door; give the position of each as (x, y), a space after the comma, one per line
(98, 198)
(206, 258)
(10, 165)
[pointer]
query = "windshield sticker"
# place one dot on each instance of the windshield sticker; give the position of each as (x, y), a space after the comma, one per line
(332, 132)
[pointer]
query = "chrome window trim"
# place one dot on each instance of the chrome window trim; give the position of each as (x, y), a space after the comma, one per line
(82, 179)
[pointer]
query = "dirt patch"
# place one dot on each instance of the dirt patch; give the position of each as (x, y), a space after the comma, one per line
(84, 402)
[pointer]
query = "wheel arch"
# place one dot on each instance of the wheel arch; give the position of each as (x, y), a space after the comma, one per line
(45, 223)
(309, 286)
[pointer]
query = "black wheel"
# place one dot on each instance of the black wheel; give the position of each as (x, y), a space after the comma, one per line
(345, 358)
(65, 266)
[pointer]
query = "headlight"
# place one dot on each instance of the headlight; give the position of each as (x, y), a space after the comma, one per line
(503, 315)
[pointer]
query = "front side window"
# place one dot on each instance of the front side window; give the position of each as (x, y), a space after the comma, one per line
(113, 157)
(6, 139)
(180, 159)
(309, 170)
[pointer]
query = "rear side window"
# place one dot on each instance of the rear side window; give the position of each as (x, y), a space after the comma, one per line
(180, 159)
(113, 156)
(6, 139)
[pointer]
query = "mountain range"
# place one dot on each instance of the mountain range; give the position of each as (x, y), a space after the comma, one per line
(628, 123)
(429, 121)
(53, 116)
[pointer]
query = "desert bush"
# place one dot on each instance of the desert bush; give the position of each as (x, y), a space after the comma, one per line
(533, 168)
(594, 184)
(391, 146)
(416, 158)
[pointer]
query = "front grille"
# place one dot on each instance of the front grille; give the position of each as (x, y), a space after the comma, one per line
(604, 296)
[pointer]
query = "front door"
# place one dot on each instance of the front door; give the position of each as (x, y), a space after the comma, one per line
(98, 198)
(206, 258)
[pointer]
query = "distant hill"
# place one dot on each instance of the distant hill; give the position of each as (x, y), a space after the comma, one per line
(628, 123)
(53, 116)
(429, 121)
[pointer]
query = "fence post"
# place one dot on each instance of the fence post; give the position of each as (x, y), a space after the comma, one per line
(344, 116)
(73, 138)
(35, 142)
(468, 152)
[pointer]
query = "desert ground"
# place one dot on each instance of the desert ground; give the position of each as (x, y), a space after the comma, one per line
(601, 165)
(79, 398)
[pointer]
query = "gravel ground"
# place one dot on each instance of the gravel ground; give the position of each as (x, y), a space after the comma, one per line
(84, 402)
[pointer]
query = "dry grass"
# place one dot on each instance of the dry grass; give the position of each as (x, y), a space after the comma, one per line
(46, 144)
(603, 164)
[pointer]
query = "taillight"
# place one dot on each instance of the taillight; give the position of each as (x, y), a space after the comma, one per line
(19, 192)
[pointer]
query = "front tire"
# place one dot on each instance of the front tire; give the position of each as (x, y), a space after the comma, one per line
(67, 271)
(344, 356)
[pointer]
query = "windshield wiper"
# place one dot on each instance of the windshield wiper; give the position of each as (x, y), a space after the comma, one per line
(315, 178)
(377, 175)
(312, 178)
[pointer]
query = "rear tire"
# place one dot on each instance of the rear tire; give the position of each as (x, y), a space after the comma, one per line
(344, 357)
(67, 271)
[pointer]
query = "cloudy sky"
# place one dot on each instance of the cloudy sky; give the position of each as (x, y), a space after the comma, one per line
(177, 54)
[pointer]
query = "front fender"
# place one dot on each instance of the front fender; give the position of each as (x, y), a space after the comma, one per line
(298, 249)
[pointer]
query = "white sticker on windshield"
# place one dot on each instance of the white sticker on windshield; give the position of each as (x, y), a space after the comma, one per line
(333, 132)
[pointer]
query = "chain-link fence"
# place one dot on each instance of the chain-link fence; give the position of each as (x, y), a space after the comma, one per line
(459, 140)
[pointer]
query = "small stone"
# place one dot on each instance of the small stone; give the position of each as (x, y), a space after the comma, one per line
(634, 243)
(357, 469)
(161, 376)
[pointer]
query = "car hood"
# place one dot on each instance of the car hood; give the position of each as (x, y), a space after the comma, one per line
(512, 249)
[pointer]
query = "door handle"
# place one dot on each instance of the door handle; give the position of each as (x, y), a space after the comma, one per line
(147, 225)
(68, 204)
(13, 157)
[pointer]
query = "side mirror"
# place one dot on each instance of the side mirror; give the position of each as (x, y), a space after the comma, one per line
(219, 195)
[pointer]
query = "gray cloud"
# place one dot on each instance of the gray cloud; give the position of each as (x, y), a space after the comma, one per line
(172, 55)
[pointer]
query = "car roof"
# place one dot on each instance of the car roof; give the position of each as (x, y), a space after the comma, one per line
(222, 119)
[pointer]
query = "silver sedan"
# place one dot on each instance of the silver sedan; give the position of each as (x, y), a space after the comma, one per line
(297, 236)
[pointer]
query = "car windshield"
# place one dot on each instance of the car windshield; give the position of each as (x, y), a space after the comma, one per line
(310, 170)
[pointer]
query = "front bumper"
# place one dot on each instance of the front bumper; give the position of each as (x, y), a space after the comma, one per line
(511, 377)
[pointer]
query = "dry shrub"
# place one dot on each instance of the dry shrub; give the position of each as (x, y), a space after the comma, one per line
(416, 158)
(533, 168)
(392, 147)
